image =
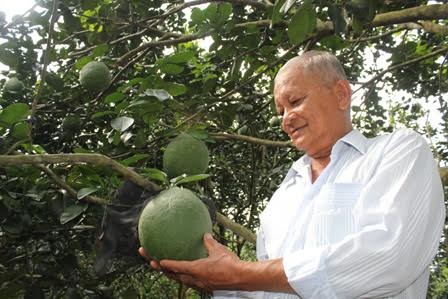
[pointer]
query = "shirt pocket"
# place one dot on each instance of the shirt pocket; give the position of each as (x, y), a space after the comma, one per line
(332, 214)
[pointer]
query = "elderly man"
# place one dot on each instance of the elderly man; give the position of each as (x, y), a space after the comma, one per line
(353, 218)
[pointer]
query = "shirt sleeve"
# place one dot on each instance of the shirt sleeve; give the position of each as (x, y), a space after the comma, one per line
(400, 215)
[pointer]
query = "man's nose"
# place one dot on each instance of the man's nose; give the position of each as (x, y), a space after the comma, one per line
(288, 116)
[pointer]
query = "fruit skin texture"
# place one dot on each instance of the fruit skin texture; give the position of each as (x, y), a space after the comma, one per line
(95, 76)
(172, 225)
(13, 85)
(185, 154)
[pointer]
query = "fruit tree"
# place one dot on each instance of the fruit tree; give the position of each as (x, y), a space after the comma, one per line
(93, 93)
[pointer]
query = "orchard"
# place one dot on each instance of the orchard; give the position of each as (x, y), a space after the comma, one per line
(105, 104)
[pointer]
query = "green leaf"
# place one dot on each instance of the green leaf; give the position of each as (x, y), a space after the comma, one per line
(188, 179)
(89, 4)
(276, 14)
(134, 159)
(8, 58)
(336, 16)
(171, 69)
(100, 50)
(357, 25)
(14, 113)
(287, 6)
(82, 62)
(302, 24)
(197, 16)
(179, 57)
(154, 174)
(121, 124)
(55, 81)
(34, 148)
(211, 11)
(86, 191)
(224, 11)
(21, 131)
(160, 94)
(114, 97)
(334, 42)
(102, 113)
(174, 89)
(71, 212)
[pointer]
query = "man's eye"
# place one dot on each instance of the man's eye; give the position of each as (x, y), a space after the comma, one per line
(298, 101)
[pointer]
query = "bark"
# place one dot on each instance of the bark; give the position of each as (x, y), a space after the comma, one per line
(427, 12)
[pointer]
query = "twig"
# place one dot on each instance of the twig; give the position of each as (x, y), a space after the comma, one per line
(199, 2)
(183, 39)
(379, 36)
(72, 192)
(14, 146)
(400, 65)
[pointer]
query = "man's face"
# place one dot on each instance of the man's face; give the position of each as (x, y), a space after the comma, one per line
(311, 116)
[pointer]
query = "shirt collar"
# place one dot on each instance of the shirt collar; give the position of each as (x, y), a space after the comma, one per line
(353, 138)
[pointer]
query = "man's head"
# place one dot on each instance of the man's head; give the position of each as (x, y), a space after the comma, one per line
(313, 95)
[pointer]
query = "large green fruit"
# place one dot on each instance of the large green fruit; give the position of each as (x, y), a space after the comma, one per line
(185, 155)
(13, 85)
(172, 225)
(95, 76)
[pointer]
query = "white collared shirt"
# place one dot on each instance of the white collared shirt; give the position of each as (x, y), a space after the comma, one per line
(368, 227)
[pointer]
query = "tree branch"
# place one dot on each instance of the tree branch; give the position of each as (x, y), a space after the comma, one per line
(101, 160)
(424, 12)
(46, 57)
(236, 228)
(250, 139)
(95, 159)
(428, 27)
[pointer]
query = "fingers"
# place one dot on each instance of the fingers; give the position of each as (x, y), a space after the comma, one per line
(176, 266)
(154, 264)
(142, 252)
(209, 243)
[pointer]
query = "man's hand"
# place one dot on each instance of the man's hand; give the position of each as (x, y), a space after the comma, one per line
(217, 271)
(223, 270)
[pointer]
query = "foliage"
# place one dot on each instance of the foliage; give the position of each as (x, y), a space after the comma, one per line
(163, 83)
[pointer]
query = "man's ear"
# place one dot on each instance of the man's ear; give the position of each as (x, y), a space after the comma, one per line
(344, 94)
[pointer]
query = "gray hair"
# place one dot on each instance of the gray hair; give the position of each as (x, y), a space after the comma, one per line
(321, 63)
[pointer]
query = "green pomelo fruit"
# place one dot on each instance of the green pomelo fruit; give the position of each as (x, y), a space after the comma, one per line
(172, 226)
(95, 76)
(185, 155)
(13, 85)
(275, 121)
(71, 124)
(243, 130)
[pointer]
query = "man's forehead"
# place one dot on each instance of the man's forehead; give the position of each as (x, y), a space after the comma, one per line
(294, 76)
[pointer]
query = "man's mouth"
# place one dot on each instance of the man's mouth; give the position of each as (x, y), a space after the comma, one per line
(296, 132)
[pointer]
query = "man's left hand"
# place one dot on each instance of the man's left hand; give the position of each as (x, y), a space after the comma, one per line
(217, 271)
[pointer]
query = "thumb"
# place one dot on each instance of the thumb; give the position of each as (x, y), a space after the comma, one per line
(209, 243)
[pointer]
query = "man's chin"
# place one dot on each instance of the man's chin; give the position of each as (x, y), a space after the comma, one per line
(298, 144)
